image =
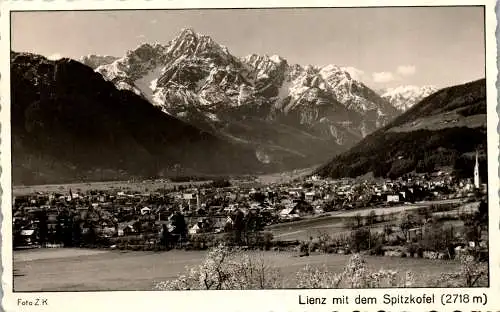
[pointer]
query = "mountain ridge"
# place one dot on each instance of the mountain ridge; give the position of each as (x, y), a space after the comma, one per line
(199, 81)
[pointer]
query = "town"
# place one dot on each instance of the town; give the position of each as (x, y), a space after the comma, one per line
(241, 213)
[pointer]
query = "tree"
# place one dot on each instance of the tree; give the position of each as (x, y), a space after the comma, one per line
(76, 233)
(165, 237)
(474, 225)
(406, 222)
(59, 237)
(360, 239)
(372, 217)
(68, 231)
(358, 220)
(90, 237)
(179, 224)
(258, 197)
(41, 216)
(138, 226)
(238, 226)
(220, 183)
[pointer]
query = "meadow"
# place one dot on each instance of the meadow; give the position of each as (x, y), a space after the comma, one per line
(93, 270)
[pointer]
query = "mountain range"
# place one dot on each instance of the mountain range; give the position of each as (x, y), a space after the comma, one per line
(292, 115)
(190, 107)
(445, 129)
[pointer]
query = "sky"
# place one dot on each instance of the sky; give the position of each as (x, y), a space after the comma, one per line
(384, 47)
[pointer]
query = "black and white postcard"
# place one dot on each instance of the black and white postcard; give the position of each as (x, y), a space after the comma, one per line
(325, 156)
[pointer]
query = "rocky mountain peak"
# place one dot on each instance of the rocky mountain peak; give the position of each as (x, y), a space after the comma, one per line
(146, 52)
(188, 43)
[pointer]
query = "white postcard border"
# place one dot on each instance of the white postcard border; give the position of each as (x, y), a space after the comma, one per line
(263, 300)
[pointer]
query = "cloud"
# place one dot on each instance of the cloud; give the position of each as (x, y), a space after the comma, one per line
(406, 70)
(141, 36)
(382, 77)
(153, 21)
(55, 57)
(354, 72)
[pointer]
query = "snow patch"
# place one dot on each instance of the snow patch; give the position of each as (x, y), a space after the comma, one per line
(284, 90)
(276, 58)
(147, 83)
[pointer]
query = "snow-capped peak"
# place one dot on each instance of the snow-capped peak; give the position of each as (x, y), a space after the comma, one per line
(276, 58)
(404, 97)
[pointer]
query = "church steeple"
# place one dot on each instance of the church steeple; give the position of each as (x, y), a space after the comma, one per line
(476, 172)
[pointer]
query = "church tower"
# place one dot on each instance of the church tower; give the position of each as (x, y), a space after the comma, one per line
(476, 173)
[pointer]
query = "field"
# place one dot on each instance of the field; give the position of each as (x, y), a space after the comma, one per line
(90, 270)
(151, 185)
(396, 209)
(285, 177)
(333, 223)
(143, 187)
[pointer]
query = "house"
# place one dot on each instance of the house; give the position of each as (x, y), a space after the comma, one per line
(286, 212)
(229, 221)
(414, 233)
(392, 198)
(303, 207)
(309, 196)
(109, 231)
(289, 214)
(28, 237)
(195, 229)
(127, 230)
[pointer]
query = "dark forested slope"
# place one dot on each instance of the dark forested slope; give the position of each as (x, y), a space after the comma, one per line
(444, 129)
(69, 124)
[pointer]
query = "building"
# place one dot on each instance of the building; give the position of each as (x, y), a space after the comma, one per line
(477, 182)
(309, 196)
(192, 199)
(392, 198)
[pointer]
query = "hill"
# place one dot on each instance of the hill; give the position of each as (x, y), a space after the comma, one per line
(70, 125)
(444, 129)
